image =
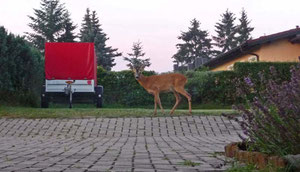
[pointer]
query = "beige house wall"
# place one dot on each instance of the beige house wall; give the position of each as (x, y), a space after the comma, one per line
(227, 65)
(278, 51)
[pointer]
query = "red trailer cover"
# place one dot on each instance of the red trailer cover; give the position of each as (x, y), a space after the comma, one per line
(76, 61)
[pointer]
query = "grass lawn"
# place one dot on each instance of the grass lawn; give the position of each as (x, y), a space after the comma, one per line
(80, 112)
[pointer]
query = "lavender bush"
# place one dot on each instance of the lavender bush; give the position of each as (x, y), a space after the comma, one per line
(271, 120)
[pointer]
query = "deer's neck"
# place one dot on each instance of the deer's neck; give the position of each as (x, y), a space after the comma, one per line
(143, 80)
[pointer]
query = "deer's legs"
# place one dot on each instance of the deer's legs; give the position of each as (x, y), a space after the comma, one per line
(155, 106)
(187, 95)
(157, 99)
(178, 98)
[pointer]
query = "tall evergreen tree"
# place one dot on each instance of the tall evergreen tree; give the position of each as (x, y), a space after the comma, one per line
(87, 33)
(244, 29)
(68, 34)
(135, 58)
(50, 23)
(226, 33)
(196, 44)
(91, 31)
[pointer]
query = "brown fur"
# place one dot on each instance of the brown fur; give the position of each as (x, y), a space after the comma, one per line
(156, 84)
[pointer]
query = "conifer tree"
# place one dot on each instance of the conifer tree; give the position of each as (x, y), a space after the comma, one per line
(50, 23)
(244, 29)
(135, 58)
(87, 29)
(195, 44)
(68, 34)
(91, 31)
(226, 33)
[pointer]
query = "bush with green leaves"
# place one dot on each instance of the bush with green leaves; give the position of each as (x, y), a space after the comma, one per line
(206, 87)
(21, 70)
(121, 89)
(252, 70)
(211, 87)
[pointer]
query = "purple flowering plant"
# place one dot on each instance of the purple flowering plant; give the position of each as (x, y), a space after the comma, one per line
(271, 118)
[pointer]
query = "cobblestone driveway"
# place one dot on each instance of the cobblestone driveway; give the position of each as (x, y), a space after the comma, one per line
(188, 143)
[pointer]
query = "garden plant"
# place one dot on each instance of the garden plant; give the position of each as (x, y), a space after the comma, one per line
(271, 118)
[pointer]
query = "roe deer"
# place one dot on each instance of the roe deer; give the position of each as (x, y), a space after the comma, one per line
(155, 84)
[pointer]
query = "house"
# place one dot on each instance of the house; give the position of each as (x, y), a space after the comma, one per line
(279, 47)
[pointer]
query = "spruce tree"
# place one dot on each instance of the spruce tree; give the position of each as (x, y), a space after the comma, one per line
(135, 58)
(244, 29)
(68, 34)
(195, 44)
(87, 33)
(91, 31)
(226, 33)
(50, 23)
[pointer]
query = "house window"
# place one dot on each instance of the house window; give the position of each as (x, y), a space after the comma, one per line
(252, 59)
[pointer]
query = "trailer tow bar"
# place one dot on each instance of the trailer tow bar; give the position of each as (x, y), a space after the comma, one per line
(68, 90)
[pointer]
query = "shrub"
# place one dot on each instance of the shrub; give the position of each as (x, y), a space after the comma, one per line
(252, 70)
(121, 89)
(206, 87)
(272, 121)
(199, 84)
(225, 89)
(21, 69)
(211, 87)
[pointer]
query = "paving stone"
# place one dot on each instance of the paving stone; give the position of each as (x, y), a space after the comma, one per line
(120, 168)
(118, 144)
(164, 167)
(143, 170)
(74, 170)
(29, 169)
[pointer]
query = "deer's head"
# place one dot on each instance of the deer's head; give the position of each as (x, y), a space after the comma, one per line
(137, 65)
(137, 70)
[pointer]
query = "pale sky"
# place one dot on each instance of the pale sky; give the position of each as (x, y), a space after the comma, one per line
(158, 23)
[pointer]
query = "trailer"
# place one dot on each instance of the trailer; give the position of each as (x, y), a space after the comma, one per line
(70, 74)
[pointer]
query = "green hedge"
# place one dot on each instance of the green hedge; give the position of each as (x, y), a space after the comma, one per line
(253, 71)
(211, 87)
(206, 87)
(21, 70)
(121, 89)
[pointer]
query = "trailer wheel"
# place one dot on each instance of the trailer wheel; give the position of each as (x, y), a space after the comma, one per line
(44, 98)
(98, 96)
